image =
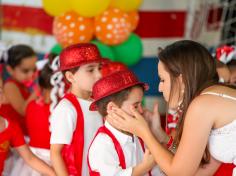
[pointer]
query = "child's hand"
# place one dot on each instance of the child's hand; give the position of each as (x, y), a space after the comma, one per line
(52, 173)
(31, 82)
(148, 160)
(154, 121)
(153, 117)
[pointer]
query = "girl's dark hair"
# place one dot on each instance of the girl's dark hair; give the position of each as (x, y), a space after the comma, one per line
(17, 53)
(118, 98)
(46, 73)
(198, 70)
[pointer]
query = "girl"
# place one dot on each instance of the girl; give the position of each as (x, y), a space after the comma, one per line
(37, 121)
(12, 136)
(20, 64)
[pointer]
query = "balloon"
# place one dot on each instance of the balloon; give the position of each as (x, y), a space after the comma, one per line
(130, 51)
(105, 50)
(112, 67)
(125, 5)
(71, 28)
(56, 49)
(112, 27)
(89, 8)
(134, 19)
(56, 7)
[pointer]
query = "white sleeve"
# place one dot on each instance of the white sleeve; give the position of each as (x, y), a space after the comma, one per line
(103, 158)
(63, 123)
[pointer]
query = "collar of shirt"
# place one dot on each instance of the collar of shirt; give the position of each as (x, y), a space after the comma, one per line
(121, 137)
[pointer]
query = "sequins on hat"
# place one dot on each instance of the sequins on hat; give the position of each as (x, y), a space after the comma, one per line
(79, 54)
(114, 83)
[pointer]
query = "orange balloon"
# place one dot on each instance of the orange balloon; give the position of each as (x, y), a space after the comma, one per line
(71, 28)
(112, 27)
(134, 19)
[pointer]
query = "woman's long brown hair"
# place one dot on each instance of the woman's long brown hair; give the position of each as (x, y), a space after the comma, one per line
(198, 69)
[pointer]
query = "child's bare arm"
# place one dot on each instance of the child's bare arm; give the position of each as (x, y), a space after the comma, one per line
(57, 160)
(34, 161)
(15, 98)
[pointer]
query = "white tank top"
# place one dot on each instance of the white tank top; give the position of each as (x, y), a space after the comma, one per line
(222, 141)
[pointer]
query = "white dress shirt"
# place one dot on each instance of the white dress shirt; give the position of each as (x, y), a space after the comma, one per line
(104, 159)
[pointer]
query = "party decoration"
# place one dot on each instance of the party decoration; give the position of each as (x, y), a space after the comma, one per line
(56, 7)
(130, 51)
(226, 53)
(126, 5)
(56, 49)
(105, 50)
(112, 27)
(89, 8)
(134, 19)
(71, 28)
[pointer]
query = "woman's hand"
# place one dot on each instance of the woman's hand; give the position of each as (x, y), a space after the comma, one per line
(135, 124)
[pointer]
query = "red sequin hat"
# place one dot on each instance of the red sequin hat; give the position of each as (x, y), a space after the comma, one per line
(112, 67)
(114, 83)
(79, 54)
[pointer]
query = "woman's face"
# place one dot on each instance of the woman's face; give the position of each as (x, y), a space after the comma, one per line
(165, 87)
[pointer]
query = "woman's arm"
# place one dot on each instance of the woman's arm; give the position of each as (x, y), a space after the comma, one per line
(192, 145)
(34, 161)
(208, 169)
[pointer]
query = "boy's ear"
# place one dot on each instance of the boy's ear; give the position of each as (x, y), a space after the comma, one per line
(69, 76)
(110, 105)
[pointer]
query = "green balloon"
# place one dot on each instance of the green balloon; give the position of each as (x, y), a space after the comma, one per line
(56, 49)
(129, 52)
(105, 50)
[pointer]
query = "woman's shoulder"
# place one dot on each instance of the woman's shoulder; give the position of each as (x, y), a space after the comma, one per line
(210, 99)
(216, 101)
(219, 90)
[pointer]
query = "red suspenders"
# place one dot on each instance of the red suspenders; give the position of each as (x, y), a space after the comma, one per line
(118, 149)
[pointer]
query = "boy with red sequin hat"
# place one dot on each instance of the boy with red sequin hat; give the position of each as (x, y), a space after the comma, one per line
(72, 124)
(112, 151)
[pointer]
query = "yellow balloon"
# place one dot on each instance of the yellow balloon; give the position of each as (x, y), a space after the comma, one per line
(89, 8)
(126, 5)
(56, 7)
